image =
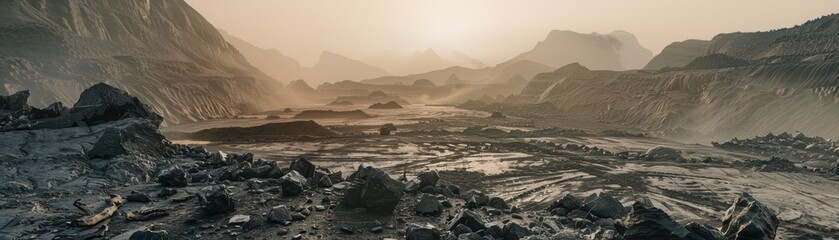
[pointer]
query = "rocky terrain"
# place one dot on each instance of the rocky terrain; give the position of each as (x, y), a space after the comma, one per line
(58, 49)
(125, 180)
(678, 54)
(777, 84)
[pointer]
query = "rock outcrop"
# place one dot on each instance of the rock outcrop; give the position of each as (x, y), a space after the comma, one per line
(57, 49)
(749, 219)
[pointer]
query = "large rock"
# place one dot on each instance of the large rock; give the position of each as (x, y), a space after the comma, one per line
(470, 219)
(566, 201)
(304, 167)
(147, 234)
(604, 206)
(293, 184)
(663, 153)
(514, 231)
(15, 102)
(648, 222)
(279, 214)
(422, 232)
(373, 189)
(51, 111)
(749, 219)
(137, 139)
(215, 199)
(99, 104)
(173, 177)
(428, 205)
(700, 231)
(429, 178)
(387, 129)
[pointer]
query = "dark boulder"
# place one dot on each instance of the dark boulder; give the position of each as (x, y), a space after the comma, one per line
(428, 205)
(215, 199)
(749, 219)
(279, 214)
(304, 167)
(663, 153)
(703, 232)
(15, 102)
(174, 177)
(647, 222)
(476, 199)
(137, 139)
(293, 184)
(51, 111)
(498, 203)
(468, 218)
(461, 229)
(387, 129)
(566, 201)
(373, 189)
(147, 234)
(514, 231)
(422, 232)
(429, 178)
(99, 104)
(603, 206)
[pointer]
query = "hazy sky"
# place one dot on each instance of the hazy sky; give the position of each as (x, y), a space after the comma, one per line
(490, 30)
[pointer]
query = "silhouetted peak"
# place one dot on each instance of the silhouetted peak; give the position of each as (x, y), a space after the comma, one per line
(573, 67)
(424, 83)
(378, 93)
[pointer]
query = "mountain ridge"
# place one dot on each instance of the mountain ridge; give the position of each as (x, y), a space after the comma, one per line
(163, 52)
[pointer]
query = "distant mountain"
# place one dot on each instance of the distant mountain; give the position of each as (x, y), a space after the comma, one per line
(678, 54)
(524, 69)
(163, 52)
(497, 74)
(745, 84)
(421, 61)
(270, 61)
(301, 88)
(333, 67)
(614, 51)
(463, 60)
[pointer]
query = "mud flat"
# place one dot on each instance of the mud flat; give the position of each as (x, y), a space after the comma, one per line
(321, 114)
(266, 132)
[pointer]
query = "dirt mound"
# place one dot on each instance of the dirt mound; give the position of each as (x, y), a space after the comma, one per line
(269, 131)
(322, 114)
(388, 105)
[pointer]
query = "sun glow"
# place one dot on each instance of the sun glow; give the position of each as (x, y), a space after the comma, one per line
(446, 26)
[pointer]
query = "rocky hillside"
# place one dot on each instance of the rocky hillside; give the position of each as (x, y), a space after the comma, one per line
(163, 52)
(614, 51)
(783, 81)
(333, 67)
(678, 54)
(270, 61)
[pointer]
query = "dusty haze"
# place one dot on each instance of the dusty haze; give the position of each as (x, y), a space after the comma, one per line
(490, 30)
